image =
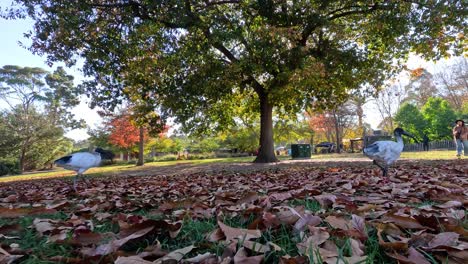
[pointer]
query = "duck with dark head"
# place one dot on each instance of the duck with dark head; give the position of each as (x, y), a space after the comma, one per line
(82, 161)
(384, 153)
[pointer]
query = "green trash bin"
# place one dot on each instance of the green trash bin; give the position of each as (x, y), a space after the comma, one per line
(300, 151)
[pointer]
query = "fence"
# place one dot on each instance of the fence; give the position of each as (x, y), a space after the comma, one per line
(442, 144)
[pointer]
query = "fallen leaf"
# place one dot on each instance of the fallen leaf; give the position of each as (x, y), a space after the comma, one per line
(176, 255)
(241, 257)
(242, 234)
(444, 239)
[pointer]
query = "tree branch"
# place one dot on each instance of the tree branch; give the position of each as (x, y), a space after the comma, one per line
(213, 3)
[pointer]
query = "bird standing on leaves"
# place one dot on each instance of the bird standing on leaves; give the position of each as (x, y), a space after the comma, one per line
(385, 153)
(82, 161)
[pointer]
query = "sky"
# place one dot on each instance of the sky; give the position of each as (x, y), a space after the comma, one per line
(12, 53)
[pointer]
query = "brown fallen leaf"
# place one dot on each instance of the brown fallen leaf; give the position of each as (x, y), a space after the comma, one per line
(444, 239)
(10, 229)
(43, 226)
(309, 245)
(357, 247)
(232, 233)
(19, 212)
(176, 255)
(396, 245)
(403, 221)
(347, 260)
(241, 257)
(416, 257)
(338, 222)
(307, 220)
(114, 245)
(450, 204)
(202, 258)
(131, 260)
(255, 246)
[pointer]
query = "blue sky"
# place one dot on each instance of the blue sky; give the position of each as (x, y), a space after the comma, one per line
(11, 53)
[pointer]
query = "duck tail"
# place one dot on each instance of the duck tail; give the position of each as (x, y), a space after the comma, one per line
(63, 160)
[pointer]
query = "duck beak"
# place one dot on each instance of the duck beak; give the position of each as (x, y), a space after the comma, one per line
(410, 135)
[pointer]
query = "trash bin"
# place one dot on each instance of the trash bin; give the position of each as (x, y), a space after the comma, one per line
(300, 151)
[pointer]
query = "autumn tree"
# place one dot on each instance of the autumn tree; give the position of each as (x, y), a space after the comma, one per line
(453, 82)
(388, 101)
(334, 122)
(420, 88)
(291, 129)
(123, 133)
(195, 57)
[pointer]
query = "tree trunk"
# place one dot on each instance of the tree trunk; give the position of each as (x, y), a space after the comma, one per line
(21, 161)
(266, 152)
(140, 147)
(337, 132)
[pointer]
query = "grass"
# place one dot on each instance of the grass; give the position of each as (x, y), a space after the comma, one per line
(430, 155)
(60, 173)
(112, 169)
(38, 246)
(308, 203)
(375, 253)
(194, 231)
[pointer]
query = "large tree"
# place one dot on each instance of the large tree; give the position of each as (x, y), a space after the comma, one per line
(421, 87)
(195, 55)
(410, 119)
(440, 118)
(453, 82)
(39, 111)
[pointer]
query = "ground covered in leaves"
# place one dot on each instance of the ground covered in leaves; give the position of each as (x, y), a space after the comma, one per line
(340, 212)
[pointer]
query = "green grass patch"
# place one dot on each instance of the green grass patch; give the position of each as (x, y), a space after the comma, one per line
(29, 239)
(375, 253)
(117, 168)
(308, 203)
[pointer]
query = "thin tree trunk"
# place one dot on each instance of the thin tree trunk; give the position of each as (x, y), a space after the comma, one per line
(337, 132)
(21, 161)
(140, 147)
(266, 152)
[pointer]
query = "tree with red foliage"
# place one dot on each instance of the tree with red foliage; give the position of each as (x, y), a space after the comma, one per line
(124, 133)
(334, 122)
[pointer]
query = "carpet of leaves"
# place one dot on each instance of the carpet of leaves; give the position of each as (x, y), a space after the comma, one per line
(344, 213)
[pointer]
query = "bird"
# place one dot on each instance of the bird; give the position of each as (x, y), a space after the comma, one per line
(82, 161)
(384, 153)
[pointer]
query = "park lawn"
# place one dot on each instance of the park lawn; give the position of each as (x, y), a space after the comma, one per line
(420, 155)
(112, 169)
(300, 214)
(122, 168)
(344, 205)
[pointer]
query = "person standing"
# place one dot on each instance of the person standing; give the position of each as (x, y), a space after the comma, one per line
(460, 135)
(425, 143)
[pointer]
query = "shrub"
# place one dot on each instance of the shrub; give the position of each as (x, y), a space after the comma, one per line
(199, 156)
(8, 167)
(169, 157)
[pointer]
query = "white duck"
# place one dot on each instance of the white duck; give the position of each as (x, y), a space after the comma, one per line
(385, 153)
(82, 161)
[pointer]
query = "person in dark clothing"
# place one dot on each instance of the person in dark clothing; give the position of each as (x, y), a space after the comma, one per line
(425, 143)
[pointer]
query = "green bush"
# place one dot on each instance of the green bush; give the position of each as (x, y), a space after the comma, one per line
(169, 157)
(8, 167)
(199, 156)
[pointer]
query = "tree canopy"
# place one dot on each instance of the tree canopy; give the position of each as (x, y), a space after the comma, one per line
(410, 118)
(39, 111)
(197, 58)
